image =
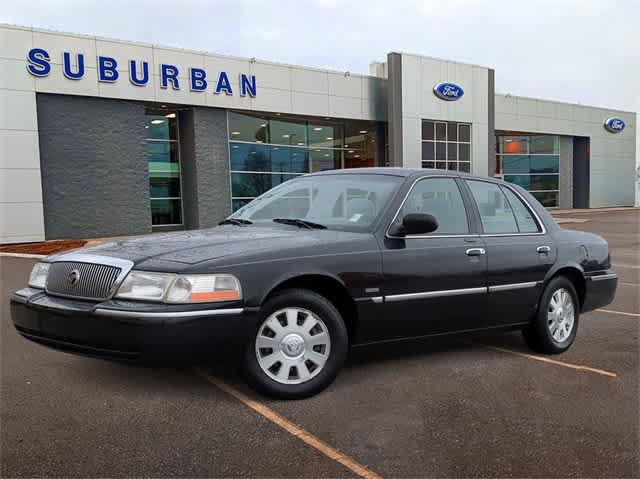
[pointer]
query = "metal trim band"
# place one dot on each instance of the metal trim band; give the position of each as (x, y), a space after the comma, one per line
(160, 315)
(603, 277)
(509, 287)
(434, 294)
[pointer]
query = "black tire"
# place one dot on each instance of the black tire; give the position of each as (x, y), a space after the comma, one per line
(324, 310)
(537, 334)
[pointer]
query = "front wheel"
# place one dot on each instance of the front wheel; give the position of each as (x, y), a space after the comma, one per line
(299, 346)
(554, 328)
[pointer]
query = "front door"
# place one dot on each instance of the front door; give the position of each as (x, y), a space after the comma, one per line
(519, 252)
(434, 283)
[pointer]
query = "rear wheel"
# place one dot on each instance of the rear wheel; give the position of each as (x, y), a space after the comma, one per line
(299, 346)
(554, 329)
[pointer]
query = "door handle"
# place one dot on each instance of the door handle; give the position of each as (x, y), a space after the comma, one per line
(475, 252)
(544, 249)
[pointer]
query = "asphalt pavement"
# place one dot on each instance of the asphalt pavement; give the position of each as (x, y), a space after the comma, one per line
(481, 406)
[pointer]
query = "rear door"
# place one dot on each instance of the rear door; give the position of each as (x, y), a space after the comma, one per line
(519, 251)
(434, 283)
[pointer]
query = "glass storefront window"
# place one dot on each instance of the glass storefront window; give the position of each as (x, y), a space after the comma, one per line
(266, 150)
(325, 135)
(446, 145)
(163, 156)
(288, 133)
(532, 162)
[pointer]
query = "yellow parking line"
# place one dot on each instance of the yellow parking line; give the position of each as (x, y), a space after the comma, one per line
(624, 313)
(552, 361)
(291, 428)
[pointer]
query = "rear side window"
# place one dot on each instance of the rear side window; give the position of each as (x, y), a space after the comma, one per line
(495, 211)
(524, 217)
(441, 198)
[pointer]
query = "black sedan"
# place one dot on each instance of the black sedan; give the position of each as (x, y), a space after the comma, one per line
(320, 264)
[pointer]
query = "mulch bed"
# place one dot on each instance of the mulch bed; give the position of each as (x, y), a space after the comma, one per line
(45, 247)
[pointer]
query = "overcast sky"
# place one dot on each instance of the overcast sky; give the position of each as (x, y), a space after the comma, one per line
(584, 51)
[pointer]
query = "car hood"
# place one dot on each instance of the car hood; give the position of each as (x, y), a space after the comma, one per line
(224, 245)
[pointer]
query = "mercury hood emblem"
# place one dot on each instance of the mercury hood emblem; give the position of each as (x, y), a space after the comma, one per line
(73, 277)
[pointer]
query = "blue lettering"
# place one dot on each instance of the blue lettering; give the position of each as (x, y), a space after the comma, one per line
(247, 85)
(224, 84)
(38, 62)
(107, 69)
(169, 73)
(133, 73)
(198, 82)
(68, 71)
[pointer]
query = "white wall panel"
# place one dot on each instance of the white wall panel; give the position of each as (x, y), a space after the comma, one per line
(310, 103)
(345, 107)
(20, 186)
(123, 52)
(21, 222)
(272, 76)
(19, 149)
(15, 42)
(341, 85)
(18, 110)
(14, 75)
(310, 81)
(274, 100)
(56, 82)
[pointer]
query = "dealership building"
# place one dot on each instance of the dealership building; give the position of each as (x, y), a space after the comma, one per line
(102, 137)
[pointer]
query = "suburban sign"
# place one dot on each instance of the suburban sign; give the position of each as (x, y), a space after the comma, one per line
(108, 71)
(448, 91)
(614, 125)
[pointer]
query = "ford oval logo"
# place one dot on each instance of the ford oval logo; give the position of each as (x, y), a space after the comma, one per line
(448, 91)
(614, 125)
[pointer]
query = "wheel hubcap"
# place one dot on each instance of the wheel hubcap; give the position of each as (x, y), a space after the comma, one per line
(292, 345)
(560, 315)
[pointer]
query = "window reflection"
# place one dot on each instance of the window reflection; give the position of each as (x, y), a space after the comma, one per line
(446, 145)
(261, 145)
(161, 129)
(533, 162)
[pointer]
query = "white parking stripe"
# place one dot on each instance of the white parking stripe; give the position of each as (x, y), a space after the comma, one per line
(291, 428)
(555, 362)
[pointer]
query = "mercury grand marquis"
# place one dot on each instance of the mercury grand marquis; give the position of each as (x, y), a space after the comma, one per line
(322, 263)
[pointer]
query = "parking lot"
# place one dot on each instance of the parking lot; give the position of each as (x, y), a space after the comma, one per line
(481, 406)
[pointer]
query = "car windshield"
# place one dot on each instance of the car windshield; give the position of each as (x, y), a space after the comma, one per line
(346, 202)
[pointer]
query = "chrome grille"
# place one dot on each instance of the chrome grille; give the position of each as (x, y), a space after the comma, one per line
(94, 281)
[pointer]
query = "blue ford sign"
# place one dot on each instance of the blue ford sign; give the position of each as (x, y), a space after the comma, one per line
(448, 91)
(614, 125)
(109, 69)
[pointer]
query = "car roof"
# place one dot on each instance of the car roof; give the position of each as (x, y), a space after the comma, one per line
(393, 171)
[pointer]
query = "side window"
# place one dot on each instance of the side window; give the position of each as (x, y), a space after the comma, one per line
(495, 211)
(441, 198)
(526, 222)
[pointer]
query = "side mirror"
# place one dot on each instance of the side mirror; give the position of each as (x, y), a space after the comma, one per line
(415, 224)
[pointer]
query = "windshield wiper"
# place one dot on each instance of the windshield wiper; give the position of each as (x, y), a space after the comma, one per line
(236, 221)
(300, 223)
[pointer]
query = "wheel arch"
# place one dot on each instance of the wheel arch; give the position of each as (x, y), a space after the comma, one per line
(575, 274)
(327, 286)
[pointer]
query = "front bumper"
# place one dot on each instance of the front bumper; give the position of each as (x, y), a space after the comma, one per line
(600, 290)
(128, 330)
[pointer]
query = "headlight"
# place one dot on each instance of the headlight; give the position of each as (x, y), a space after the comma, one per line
(38, 276)
(145, 286)
(180, 289)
